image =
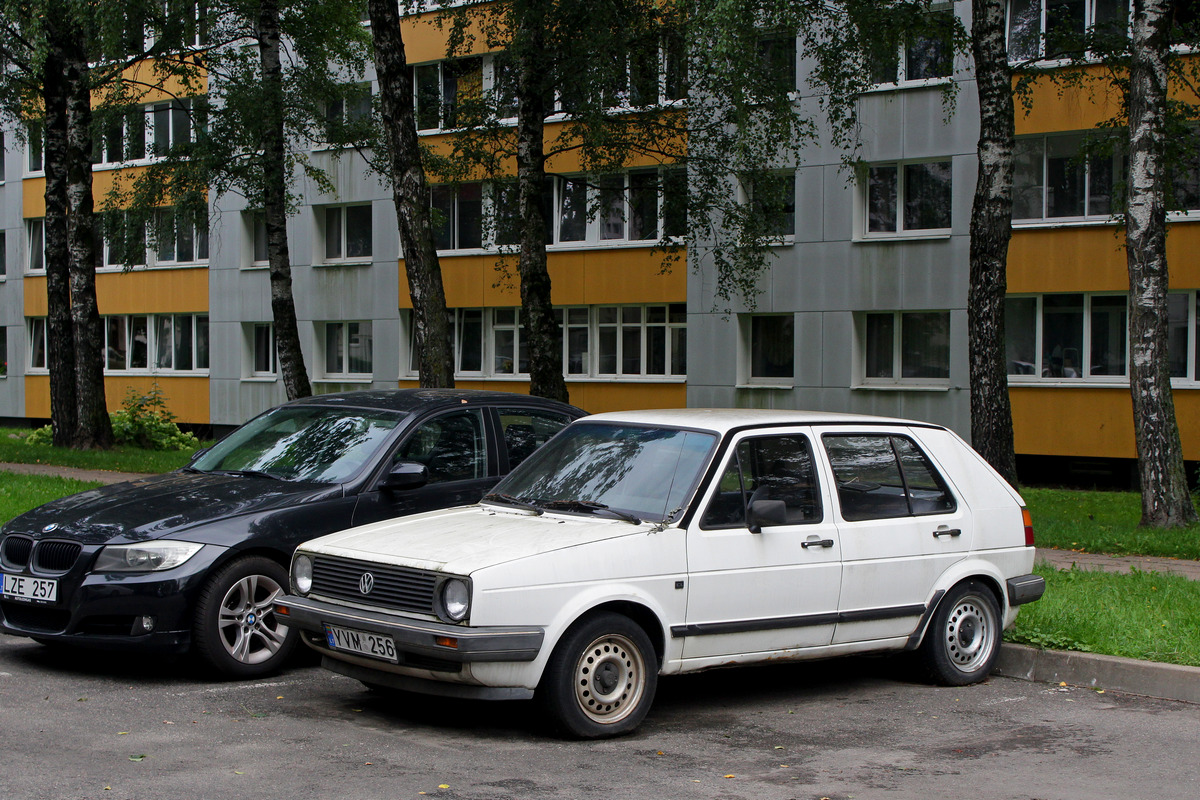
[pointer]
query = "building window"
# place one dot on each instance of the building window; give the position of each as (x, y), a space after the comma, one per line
(458, 221)
(257, 252)
(37, 343)
(126, 343)
(906, 347)
(179, 238)
(443, 88)
(171, 125)
(770, 348)
(3, 352)
(1054, 179)
(348, 349)
(468, 340)
(509, 350)
(33, 141)
(922, 57)
(354, 107)
(908, 199)
(3, 152)
(3, 251)
(264, 358)
(124, 139)
(35, 230)
(772, 198)
(1081, 336)
(123, 243)
(347, 232)
(1040, 29)
(777, 53)
(182, 343)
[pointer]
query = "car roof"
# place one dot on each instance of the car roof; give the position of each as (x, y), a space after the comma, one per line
(723, 420)
(409, 400)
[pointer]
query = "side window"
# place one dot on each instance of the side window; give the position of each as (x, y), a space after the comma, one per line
(882, 476)
(452, 447)
(525, 430)
(766, 468)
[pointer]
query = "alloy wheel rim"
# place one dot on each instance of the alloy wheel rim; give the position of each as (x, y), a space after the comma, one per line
(249, 629)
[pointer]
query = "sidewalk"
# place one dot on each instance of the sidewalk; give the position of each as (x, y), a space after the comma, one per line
(97, 475)
(1063, 559)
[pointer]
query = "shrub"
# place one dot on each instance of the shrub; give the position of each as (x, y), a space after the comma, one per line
(142, 421)
(43, 435)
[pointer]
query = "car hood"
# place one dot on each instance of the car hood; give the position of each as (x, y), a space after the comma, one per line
(463, 540)
(161, 505)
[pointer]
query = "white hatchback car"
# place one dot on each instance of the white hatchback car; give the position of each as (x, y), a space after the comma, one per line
(661, 542)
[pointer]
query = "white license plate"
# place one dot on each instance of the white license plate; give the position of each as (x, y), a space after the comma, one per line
(361, 642)
(23, 587)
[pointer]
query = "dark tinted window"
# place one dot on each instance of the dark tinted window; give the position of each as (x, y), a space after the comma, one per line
(766, 468)
(525, 430)
(452, 447)
(881, 476)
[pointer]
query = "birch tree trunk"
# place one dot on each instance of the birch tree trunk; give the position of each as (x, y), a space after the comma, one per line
(60, 338)
(93, 425)
(410, 193)
(991, 228)
(274, 160)
(1165, 498)
(537, 311)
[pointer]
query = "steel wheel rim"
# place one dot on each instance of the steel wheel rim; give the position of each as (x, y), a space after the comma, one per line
(969, 634)
(249, 630)
(610, 679)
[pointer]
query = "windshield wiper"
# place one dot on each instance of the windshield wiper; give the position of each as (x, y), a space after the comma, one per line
(514, 501)
(591, 505)
(247, 473)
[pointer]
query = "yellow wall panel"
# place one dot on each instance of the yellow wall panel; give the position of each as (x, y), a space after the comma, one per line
(577, 277)
(1091, 422)
(1072, 108)
(186, 396)
(1092, 259)
(595, 397)
(145, 291)
(33, 198)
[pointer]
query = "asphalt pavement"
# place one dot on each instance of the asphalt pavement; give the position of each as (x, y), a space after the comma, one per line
(1146, 678)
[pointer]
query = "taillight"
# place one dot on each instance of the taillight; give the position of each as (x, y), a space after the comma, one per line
(1027, 518)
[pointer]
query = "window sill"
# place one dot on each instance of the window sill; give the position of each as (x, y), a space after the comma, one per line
(900, 387)
(110, 269)
(157, 373)
(257, 266)
(1086, 383)
(350, 262)
(892, 238)
(1068, 222)
(364, 379)
(790, 384)
(899, 86)
(260, 379)
(524, 378)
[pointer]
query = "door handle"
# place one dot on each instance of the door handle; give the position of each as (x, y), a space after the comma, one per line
(817, 543)
(940, 532)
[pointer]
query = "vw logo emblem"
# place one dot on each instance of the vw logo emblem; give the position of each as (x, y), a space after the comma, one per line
(366, 583)
(53, 526)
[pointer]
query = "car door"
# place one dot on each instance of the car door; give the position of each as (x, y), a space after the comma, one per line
(900, 527)
(524, 429)
(770, 588)
(459, 453)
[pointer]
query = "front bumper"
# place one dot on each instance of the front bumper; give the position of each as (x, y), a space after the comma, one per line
(417, 640)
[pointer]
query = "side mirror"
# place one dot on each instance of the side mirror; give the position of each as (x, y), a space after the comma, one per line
(405, 475)
(765, 514)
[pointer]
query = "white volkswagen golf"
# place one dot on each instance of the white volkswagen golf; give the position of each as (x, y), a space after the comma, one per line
(654, 543)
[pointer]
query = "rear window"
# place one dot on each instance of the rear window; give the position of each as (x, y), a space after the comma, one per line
(885, 475)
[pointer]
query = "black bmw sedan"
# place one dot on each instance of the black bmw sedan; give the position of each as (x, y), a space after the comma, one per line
(193, 559)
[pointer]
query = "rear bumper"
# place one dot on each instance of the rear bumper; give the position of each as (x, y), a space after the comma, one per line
(1025, 589)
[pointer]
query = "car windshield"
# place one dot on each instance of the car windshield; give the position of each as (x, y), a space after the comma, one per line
(303, 443)
(648, 472)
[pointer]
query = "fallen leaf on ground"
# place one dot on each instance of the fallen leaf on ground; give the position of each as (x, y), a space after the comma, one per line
(137, 757)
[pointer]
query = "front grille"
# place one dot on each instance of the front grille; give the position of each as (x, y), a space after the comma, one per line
(34, 618)
(55, 556)
(401, 588)
(16, 550)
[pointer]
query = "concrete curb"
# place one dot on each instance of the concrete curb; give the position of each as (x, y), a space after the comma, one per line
(1147, 678)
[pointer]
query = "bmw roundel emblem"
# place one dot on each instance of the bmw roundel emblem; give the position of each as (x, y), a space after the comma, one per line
(366, 583)
(51, 528)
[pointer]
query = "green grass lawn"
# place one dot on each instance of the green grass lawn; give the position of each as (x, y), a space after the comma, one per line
(1103, 522)
(1145, 615)
(121, 459)
(19, 493)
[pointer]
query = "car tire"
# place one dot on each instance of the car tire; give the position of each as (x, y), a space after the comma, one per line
(963, 638)
(236, 629)
(601, 678)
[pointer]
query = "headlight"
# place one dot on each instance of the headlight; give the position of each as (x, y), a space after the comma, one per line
(302, 574)
(150, 557)
(456, 599)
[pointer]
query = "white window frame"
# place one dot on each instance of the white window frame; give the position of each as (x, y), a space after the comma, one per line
(199, 238)
(38, 333)
(746, 195)
(423, 69)
(345, 343)
(255, 331)
(322, 213)
(862, 224)
(1088, 216)
(254, 223)
(897, 379)
(157, 326)
(454, 217)
(1089, 19)
(3, 352)
(902, 68)
(35, 245)
(746, 376)
(35, 151)
(1085, 377)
